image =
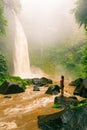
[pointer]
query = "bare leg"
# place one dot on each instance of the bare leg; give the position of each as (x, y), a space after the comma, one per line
(62, 92)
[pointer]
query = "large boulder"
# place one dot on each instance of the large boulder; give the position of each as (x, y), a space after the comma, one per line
(36, 81)
(10, 88)
(41, 81)
(66, 119)
(36, 88)
(66, 102)
(45, 81)
(53, 90)
(81, 89)
(76, 82)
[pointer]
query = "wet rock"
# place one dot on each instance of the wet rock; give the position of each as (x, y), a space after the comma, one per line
(76, 82)
(42, 81)
(53, 90)
(81, 90)
(46, 81)
(10, 88)
(73, 97)
(66, 102)
(50, 122)
(7, 96)
(36, 88)
(75, 119)
(36, 81)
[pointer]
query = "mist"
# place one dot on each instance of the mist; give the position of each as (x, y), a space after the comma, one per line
(47, 22)
(48, 25)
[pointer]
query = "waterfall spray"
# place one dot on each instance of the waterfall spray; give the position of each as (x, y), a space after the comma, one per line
(21, 56)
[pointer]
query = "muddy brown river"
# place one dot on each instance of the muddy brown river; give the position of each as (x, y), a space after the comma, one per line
(20, 112)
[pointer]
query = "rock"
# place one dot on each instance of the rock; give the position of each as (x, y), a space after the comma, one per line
(36, 81)
(76, 82)
(53, 90)
(10, 88)
(7, 96)
(75, 119)
(50, 122)
(81, 90)
(36, 88)
(42, 81)
(45, 81)
(66, 102)
(73, 97)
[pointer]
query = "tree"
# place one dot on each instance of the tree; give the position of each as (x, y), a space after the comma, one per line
(3, 22)
(81, 16)
(3, 66)
(81, 12)
(84, 61)
(12, 5)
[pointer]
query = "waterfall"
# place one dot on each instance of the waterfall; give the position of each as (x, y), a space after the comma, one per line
(21, 56)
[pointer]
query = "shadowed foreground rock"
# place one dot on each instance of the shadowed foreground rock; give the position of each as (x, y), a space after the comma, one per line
(53, 90)
(67, 119)
(10, 88)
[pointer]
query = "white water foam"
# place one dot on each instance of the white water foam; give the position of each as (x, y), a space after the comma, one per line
(37, 103)
(8, 125)
(35, 99)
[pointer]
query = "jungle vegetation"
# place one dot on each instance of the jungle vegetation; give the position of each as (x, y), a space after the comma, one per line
(72, 58)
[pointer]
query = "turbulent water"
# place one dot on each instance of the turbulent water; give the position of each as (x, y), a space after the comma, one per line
(21, 56)
(21, 111)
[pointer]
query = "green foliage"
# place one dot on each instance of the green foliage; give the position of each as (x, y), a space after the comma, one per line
(21, 82)
(3, 66)
(81, 12)
(2, 79)
(79, 105)
(4, 74)
(66, 59)
(56, 106)
(84, 61)
(3, 21)
(81, 16)
(73, 61)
